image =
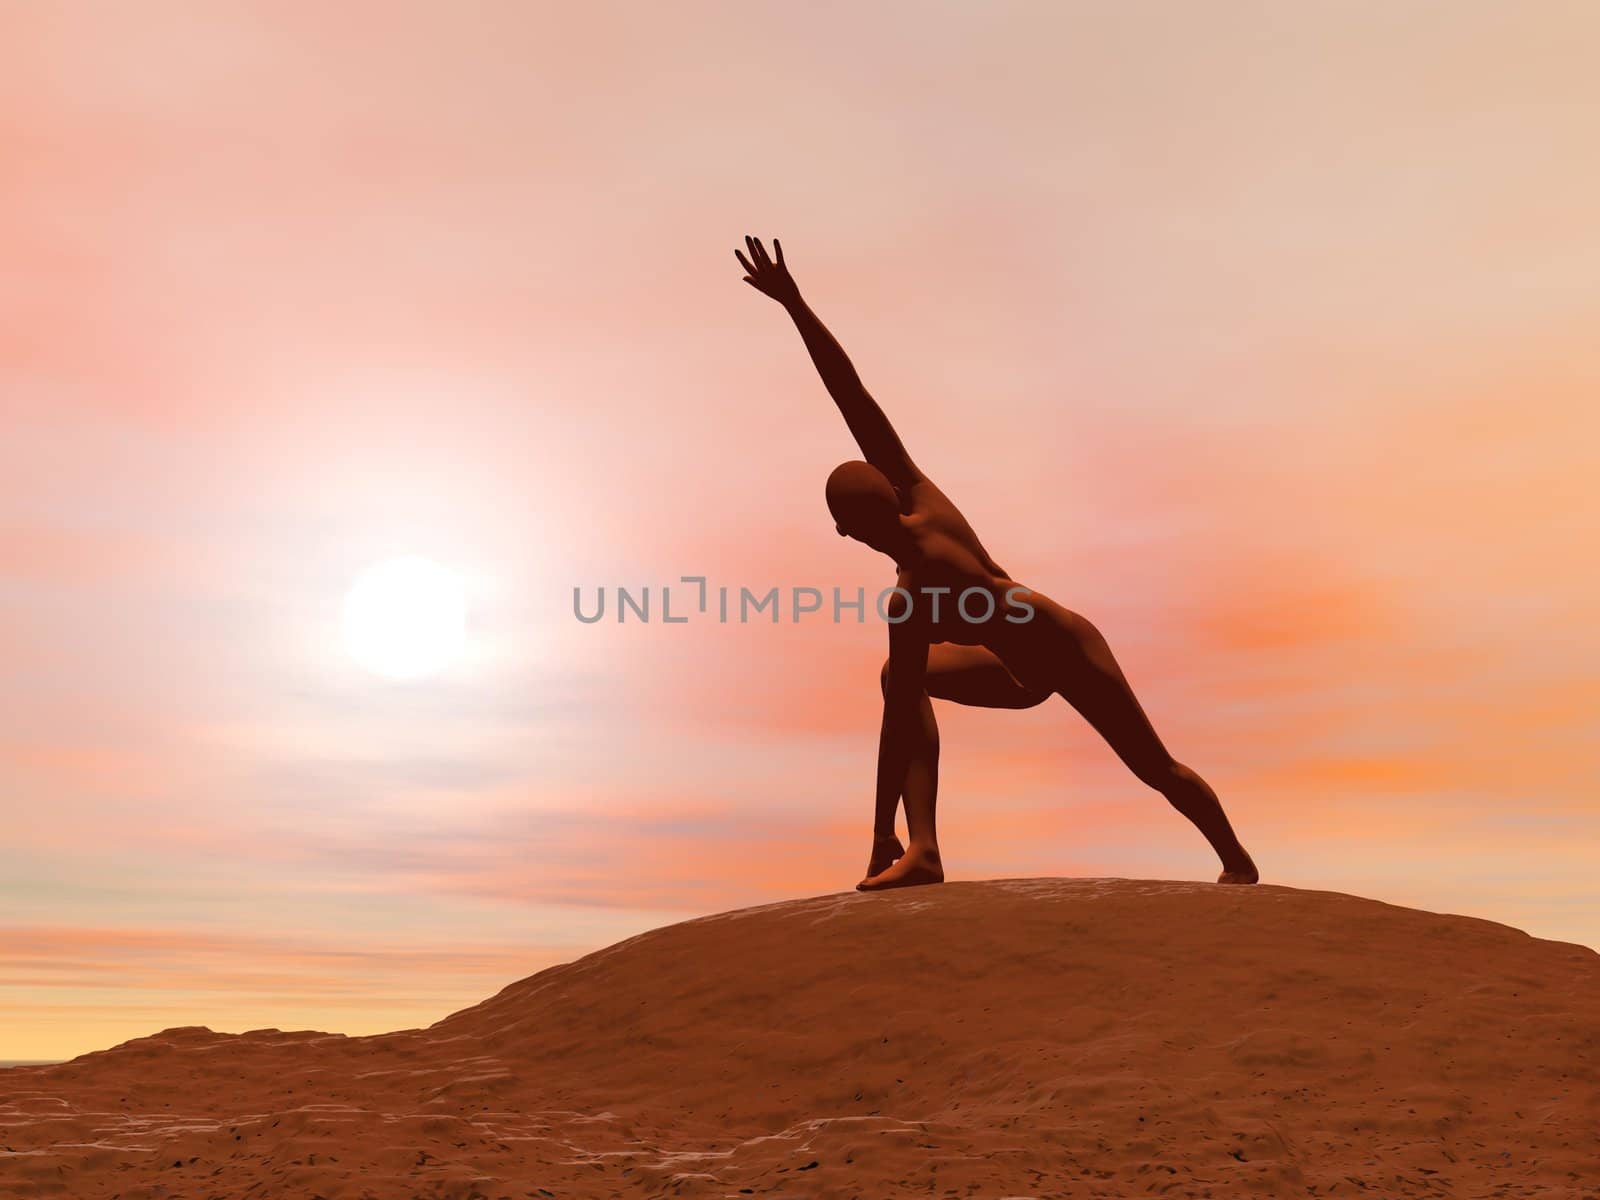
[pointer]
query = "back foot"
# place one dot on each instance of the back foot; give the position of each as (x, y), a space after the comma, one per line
(1240, 872)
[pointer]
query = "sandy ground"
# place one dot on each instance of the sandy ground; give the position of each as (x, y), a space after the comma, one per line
(1039, 1038)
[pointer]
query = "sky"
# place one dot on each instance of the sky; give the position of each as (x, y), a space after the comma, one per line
(1261, 335)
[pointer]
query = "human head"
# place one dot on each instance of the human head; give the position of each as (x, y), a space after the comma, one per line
(865, 507)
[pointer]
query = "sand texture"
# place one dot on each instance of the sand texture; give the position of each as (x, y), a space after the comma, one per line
(1041, 1038)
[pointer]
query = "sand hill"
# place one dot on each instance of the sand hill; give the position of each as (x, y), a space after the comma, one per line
(1045, 1038)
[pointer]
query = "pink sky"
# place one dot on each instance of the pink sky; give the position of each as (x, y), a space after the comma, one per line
(1262, 336)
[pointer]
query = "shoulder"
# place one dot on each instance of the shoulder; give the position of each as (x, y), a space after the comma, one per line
(924, 498)
(910, 482)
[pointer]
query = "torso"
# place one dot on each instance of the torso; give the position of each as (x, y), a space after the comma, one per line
(947, 554)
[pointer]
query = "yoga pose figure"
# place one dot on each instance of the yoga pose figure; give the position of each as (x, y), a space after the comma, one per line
(1022, 648)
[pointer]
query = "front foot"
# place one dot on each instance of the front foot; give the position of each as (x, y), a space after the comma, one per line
(886, 848)
(914, 868)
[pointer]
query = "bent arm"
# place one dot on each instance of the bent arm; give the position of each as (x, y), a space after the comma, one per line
(879, 443)
(902, 705)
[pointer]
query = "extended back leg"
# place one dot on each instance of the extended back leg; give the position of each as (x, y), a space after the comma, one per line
(1094, 684)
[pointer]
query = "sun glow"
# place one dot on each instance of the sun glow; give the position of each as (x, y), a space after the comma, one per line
(405, 618)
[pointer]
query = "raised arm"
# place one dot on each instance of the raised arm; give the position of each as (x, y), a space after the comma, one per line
(879, 443)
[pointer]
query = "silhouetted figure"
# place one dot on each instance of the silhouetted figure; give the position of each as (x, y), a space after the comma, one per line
(1001, 662)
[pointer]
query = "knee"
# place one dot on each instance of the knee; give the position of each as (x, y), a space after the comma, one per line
(1166, 775)
(883, 678)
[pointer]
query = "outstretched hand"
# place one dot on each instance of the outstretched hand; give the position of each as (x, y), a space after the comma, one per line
(768, 277)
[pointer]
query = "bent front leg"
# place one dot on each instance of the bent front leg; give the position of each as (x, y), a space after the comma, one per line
(915, 743)
(919, 787)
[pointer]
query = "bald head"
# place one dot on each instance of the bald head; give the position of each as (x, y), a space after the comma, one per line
(863, 503)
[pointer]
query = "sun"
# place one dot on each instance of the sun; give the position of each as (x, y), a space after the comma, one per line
(405, 618)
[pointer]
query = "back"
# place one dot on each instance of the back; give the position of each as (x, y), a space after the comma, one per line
(926, 505)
